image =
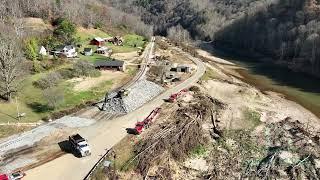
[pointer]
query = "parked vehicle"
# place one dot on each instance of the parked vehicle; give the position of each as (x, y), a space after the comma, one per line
(80, 145)
(173, 98)
(13, 176)
(17, 175)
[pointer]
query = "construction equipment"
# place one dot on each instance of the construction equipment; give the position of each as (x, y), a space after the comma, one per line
(116, 40)
(173, 98)
(123, 92)
(13, 176)
(80, 145)
(145, 123)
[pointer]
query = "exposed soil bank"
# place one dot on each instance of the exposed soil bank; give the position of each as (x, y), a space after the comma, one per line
(266, 76)
(308, 100)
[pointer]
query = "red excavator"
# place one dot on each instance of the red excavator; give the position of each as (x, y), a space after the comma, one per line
(145, 123)
(173, 98)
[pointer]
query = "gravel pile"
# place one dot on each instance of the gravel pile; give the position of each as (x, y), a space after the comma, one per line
(140, 93)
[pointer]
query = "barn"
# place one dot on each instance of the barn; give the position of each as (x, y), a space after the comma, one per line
(97, 41)
(110, 65)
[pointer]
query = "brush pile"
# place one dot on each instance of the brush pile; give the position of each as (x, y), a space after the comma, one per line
(176, 137)
(293, 152)
(285, 150)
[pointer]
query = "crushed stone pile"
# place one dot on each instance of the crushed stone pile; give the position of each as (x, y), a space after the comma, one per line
(140, 93)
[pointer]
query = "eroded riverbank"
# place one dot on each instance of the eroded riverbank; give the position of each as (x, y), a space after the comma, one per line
(298, 87)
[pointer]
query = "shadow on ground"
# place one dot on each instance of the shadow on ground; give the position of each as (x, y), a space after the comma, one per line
(132, 131)
(39, 108)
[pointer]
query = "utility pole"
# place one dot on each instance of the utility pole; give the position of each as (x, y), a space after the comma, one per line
(18, 113)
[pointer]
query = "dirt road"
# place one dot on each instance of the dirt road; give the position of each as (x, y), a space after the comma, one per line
(103, 135)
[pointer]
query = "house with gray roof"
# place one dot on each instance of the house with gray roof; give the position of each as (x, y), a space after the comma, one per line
(68, 51)
(110, 65)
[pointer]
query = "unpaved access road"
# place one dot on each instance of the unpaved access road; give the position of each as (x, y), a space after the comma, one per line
(103, 135)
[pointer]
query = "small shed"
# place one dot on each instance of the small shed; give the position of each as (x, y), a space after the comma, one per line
(43, 51)
(88, 51)
(181, 68)
(110, 65)
(97, 41)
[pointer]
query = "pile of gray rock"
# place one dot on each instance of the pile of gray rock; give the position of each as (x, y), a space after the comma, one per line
(138, 94)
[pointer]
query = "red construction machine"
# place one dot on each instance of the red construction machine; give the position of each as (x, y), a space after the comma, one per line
(18, 175)
(145, 123)
(173, 98)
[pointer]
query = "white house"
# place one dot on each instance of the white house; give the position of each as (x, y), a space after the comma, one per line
(43, 51)
(68, 51)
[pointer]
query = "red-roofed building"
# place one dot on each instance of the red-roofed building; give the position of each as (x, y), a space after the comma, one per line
(97, 41)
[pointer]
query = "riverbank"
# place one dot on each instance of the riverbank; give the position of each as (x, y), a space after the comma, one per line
(298, 87)
(309, 101)
(253, 56)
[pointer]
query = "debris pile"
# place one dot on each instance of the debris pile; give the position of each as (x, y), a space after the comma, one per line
(140, 93)
(293, 151)
(286, 150)
(174, 138)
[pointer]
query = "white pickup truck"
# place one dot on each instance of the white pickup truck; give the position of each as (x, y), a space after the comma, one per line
(80, 145)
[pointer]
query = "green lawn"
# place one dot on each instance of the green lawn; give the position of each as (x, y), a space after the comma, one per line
(87, 35)
(93, 58)
(31, 101)
(131, 41)
(73, 98)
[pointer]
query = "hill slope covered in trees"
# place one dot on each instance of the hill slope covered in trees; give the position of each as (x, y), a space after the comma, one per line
(286, 30)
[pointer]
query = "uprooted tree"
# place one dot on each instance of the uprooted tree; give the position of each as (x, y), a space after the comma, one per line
(10, 60)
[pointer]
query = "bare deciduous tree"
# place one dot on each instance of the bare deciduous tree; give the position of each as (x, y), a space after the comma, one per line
(54, 97)
(10, 61)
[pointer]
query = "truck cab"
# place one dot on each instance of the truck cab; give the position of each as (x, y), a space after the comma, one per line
(80, 145)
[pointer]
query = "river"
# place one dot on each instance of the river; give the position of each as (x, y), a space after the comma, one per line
(299, 87)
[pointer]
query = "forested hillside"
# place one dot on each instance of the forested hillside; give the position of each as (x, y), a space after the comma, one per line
(87, 13)
(286, 30)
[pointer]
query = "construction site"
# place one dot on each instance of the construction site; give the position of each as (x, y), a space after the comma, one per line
(184, 115)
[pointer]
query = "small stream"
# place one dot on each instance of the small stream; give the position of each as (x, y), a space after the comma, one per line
(299, 87)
